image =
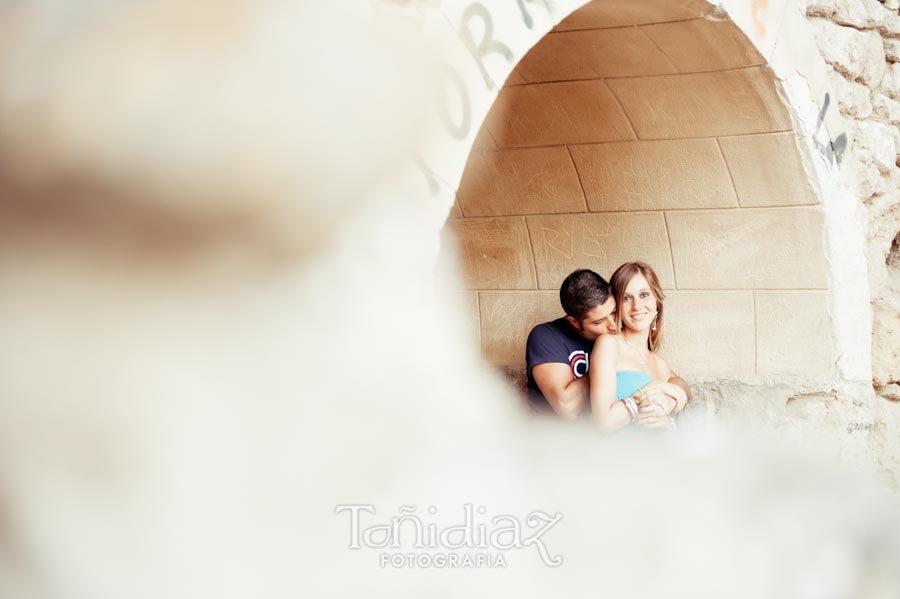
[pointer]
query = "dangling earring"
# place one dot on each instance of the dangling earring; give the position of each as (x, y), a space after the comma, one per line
(653, 328)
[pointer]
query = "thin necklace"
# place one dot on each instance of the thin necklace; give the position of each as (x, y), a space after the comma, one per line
(641, 358)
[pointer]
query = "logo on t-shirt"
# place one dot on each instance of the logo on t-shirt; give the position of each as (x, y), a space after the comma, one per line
(578, 362)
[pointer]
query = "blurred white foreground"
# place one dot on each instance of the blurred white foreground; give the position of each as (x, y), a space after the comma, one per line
(220, 319)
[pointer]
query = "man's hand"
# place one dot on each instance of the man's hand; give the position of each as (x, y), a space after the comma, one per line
(681, 384)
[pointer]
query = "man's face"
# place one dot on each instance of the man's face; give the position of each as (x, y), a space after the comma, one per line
(599, 321)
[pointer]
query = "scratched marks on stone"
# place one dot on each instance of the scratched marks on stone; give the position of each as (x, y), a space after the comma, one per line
(506, 319)
(594, 241)
(625, 13)
(600, 242)
(654, 175)
(704, 45)
(593, 54)
(557, 114)
(517, 182)
(494, 253)
(735, 102)
(768, 248)
(767, 170)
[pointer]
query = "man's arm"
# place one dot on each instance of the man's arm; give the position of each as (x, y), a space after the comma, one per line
(677, 380)
(658, 400)
(567, 396)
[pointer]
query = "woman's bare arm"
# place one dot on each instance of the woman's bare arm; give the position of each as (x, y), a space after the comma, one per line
(609, 414)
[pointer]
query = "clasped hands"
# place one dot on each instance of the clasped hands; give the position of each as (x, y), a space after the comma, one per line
(656, 402)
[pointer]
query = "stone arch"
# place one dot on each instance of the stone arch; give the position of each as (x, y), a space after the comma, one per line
(746, 113)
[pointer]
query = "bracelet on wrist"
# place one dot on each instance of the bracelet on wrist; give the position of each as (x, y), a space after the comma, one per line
(632, 407)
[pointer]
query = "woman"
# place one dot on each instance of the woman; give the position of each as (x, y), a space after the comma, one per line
(623, 364)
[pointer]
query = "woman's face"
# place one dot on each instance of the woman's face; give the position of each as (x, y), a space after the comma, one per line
(638, 305)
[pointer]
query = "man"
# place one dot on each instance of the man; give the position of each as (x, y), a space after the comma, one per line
(558, 352)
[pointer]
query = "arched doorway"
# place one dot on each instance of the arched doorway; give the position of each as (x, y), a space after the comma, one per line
(653, 131)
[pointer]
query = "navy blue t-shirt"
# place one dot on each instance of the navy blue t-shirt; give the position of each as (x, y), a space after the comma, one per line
(555, 341)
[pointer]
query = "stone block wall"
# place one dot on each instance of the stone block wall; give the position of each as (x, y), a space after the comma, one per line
(860, 40)
(648, 131)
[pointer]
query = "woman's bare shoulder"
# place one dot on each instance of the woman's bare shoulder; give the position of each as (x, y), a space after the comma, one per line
(607, 344)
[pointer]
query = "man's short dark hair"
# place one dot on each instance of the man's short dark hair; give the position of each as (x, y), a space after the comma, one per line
(582, 291)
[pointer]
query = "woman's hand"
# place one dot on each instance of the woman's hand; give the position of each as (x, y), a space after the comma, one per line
(666, 395)
(653, 415)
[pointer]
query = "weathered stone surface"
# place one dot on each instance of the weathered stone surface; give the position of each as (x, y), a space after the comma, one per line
(751, 248)
(892, 50)
(600, 242)
(874, 143)
(767, 170)
(557, 113)
(593, 54)
(621, 13)
(891, 392)
(506, 319)
(885, 342)
(494, 252)
(520, 181)
(884, 246)
(890, 84)
(858, 55)
(810, 408)
(812, 412)
(654, 175)
(885, 432)
(793, 333)
(709, 333)
(890, 24)
(861, 14)
(704, 45)
(894, 133)
(869, 180)
(892, 257)
(702, 104)
(852, 98)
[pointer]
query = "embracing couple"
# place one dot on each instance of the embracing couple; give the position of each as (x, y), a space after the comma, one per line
(603, 353)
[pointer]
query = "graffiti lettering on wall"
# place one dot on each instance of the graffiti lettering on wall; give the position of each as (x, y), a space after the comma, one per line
(457, 128)
(487, 45)
(476, 18)
(831, 150)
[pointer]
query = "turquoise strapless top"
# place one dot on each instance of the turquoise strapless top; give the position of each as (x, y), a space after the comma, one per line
(629, 381)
